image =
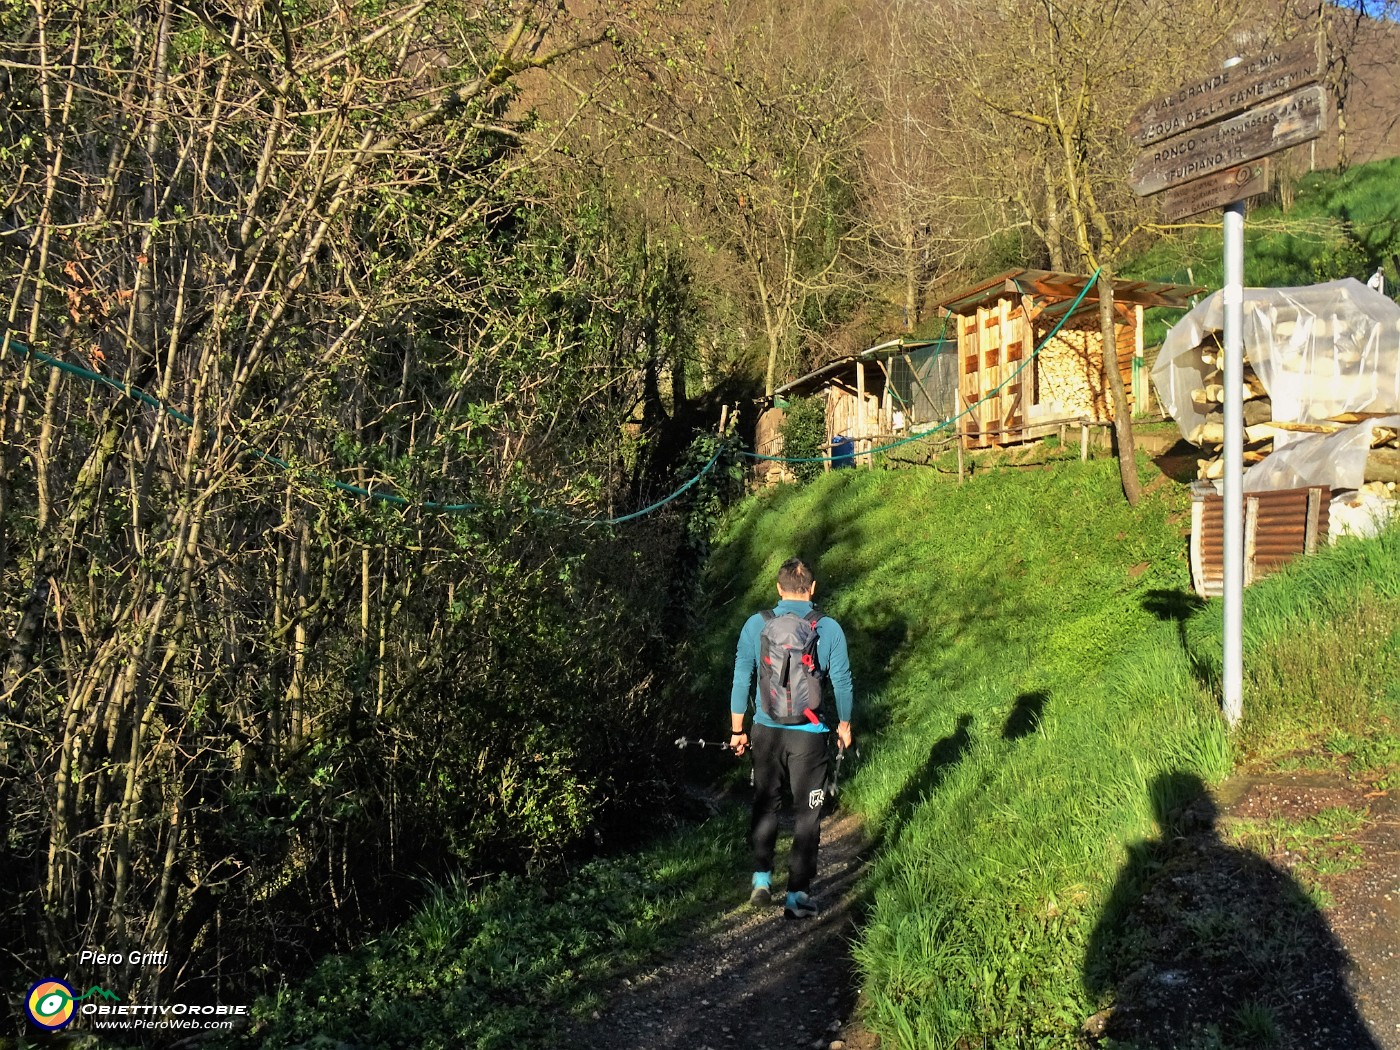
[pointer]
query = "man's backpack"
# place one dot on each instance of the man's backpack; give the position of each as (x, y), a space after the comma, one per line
(789, 676)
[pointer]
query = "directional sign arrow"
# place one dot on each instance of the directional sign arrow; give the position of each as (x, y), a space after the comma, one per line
(1216, 190)
(1223, 94)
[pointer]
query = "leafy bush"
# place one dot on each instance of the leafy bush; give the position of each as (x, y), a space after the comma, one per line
(804, 436)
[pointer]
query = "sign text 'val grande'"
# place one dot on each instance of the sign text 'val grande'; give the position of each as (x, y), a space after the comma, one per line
(1225, 93)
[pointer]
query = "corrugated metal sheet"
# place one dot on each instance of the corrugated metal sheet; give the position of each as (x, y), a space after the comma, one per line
(1279, 526)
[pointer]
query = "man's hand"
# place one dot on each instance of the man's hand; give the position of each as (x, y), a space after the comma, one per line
(843, 734)
(739, 742)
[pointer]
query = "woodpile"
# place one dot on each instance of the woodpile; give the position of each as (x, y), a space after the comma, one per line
(1070, 372)
(1261, 429)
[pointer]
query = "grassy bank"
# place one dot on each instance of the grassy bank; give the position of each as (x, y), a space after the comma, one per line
(1035, 678)
(1017, 646)
(507, 963)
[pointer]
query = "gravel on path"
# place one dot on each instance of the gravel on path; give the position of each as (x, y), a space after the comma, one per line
(756, 980)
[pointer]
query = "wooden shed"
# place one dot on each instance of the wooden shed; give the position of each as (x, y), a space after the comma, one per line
(1008, 395)
(885, 391)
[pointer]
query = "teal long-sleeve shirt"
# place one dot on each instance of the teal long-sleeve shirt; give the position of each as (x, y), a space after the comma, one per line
(831, 655)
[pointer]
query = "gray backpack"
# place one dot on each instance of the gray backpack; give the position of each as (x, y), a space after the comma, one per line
(789, 676)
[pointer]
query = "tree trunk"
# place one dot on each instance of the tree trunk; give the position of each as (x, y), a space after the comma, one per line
(1054, 240)
(912, 269)
(1122, 418)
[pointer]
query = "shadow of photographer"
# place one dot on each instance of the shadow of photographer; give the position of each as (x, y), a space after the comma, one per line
(1204, 944)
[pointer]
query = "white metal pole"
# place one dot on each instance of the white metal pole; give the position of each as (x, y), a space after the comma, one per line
(1233, 667)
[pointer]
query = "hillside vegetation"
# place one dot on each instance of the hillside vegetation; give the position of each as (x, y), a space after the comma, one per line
(1036, 685)
(1336, 225)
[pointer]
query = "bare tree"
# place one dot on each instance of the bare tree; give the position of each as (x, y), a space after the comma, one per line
(278, 264)
(917, 222)
(1045, 91)
(748, 119)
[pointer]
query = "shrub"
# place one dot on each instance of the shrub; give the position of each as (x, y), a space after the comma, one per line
(804, 436)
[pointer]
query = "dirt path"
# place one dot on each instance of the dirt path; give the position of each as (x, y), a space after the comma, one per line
(1268, 914)
(1364, 914)
(756, 981)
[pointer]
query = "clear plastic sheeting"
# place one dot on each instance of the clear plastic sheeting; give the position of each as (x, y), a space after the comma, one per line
(1361, 514)
(1320, 351)
(1335, 460)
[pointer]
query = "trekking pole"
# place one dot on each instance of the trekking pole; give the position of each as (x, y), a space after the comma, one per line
(835, 789)
(685, 742)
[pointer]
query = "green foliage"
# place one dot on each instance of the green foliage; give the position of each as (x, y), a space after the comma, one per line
(719, 487)
(509, 962)
(804, 436)
(1339, 226)
(320, 694)
(1033, 679)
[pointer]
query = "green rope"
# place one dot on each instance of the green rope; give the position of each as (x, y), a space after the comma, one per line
(949, 422)
(432, 506)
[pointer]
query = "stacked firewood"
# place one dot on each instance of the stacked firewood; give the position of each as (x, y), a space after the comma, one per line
(1383, 464)
(1261, 429)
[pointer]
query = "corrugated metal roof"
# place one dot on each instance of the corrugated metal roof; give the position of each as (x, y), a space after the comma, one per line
(894, 348)
(1053, 291)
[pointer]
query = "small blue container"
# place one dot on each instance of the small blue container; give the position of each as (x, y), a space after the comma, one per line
(843, 452)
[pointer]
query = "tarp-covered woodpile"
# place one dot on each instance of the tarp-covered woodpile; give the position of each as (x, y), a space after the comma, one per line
(1320, 361)
(1321, 411)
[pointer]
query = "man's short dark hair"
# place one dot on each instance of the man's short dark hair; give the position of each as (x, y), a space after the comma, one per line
(794, 577)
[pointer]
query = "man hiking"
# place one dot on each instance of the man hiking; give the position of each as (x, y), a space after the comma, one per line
(792, 647)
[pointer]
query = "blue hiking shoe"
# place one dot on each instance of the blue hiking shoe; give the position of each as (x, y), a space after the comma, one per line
(761, 893)
(799, 906)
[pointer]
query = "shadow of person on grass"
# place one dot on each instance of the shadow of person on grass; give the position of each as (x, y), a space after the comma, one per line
(1207, 945)
(1025, 716)
(945, 753)
(1178, 606)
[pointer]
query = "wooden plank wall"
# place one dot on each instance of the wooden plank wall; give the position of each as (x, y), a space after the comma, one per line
(992, 344)
(843, 416)
(993, 388)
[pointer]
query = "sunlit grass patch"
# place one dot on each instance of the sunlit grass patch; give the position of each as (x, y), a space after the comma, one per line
(505, 962)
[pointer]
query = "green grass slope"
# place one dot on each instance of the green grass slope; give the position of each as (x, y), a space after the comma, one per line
(1029, 663)
(1030, 668)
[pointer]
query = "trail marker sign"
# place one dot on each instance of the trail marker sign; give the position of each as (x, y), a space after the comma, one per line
(1201, 143)
(1287, 121)
(1216, 190)
(1223, 94)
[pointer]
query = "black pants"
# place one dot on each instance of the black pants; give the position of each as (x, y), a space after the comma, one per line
(800, 758)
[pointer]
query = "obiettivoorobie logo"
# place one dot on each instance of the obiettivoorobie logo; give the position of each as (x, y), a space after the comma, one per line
(51, 1003)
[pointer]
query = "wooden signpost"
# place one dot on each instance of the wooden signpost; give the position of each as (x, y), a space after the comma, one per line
(1223, 94)
(1216, 190)
(1282, 122)
(1205, 144)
